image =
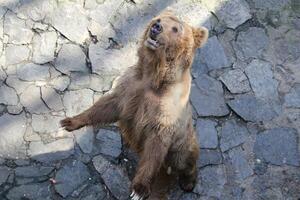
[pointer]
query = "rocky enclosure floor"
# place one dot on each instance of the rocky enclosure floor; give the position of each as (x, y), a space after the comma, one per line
(58, 57)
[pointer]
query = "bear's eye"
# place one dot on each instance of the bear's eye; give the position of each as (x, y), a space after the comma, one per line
(174, 29)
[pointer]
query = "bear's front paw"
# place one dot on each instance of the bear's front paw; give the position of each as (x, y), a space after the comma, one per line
(70, 124)
(140, 191)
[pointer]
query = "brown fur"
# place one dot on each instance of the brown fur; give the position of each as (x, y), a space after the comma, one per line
(150, 104)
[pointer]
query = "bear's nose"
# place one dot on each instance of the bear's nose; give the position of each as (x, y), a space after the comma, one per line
(156, 29)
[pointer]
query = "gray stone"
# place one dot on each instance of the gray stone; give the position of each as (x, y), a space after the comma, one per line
(194, 13)
(287, 49)
(227, 38)
(1, 43)
(79, 81)
(2, 75)
(272, 18)
(189, 196)
(52, 99)
(15, 109)
(262, 80)
(9, 70)
(4, 173)
(33, 171)
(15, 54)
(270, 4)
(12, 131)
(54, 72)
(95, 192)
(278, 146)
(98, 25)
(71, 58)
(252, 109)
(277, 183)
(40, 27)
(46, 123)
(31, 100)
(274, 193)
(239, 164)
(8, 95)
(295, 6)
(71, 176)
(233, 13)
(2, 108)
(85, 139)
(251, 43)
(198, 68)
(23, 181)
(117, 182)
(236, 81)
(100, 84)
(57, 150)
(10, 179)
(70, 19)
(31, 136)
(35, 10)
(211, 181)
(207, 133)
(2, 11)
(60, 83)
(232, 134)
(22, 162)
(207, 97)
(101, 164)
(33, 72)
(111, 62)
(260, 167)
(128, 16)
(212, 55)
(77, 101)
(292, 99)
(79, 190)
(36, 191)
(14, 82)
(98, 10)
(209, 157)
(233, 191)
(17, 30)
(110, 143)
(43, 46)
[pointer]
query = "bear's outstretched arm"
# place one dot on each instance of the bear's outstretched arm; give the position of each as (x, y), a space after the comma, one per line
(104, 111)
(152, 158)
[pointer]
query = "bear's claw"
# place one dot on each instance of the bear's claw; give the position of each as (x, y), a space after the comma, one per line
(70, 124)
(135, 196)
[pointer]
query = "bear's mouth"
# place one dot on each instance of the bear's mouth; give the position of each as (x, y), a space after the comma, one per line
(152, 43)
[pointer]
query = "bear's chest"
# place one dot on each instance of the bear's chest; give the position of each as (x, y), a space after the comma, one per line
(174, 101)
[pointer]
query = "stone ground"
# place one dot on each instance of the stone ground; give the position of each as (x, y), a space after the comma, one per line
(58, 57)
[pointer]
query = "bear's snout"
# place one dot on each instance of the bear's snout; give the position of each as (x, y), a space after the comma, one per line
(155, 30)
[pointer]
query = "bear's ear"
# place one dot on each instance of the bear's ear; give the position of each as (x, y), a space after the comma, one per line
(200, 36)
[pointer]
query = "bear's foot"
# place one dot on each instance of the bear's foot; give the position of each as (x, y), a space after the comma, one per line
(187, 183)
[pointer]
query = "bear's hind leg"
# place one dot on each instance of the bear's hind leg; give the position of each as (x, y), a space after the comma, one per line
(161, 186)
(188, 178)
(188, 174)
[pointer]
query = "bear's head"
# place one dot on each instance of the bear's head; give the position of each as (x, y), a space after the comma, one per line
(167, 34)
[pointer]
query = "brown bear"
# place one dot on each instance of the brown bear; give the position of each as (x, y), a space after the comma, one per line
(151, 105)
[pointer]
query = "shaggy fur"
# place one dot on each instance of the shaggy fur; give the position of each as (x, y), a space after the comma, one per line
(151, 105)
